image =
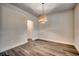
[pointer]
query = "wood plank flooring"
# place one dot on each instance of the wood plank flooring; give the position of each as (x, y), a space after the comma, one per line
(42, 48)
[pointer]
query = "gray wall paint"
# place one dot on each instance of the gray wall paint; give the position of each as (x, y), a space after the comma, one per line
(13, 26)
(76, 41)
(59, 28)
(0, 25)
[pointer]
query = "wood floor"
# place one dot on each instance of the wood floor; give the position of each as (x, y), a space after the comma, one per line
(42, 48)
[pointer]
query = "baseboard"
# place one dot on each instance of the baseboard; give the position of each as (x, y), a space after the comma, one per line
(50, 36)
(77, 47)
(10, 47)
(56, 41)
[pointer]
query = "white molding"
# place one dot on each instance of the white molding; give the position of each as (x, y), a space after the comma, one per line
(10, 47)
(77, 47)
(56, 41)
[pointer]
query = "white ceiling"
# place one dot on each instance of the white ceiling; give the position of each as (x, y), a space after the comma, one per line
(36, 8)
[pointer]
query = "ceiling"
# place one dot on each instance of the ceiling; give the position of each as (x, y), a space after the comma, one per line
(50, 8)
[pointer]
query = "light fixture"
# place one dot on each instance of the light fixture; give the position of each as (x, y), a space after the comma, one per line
(43, 17)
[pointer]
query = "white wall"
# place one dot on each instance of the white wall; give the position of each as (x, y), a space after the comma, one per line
(0, 25)
(59, 28)
(76, 20)
(13, 26)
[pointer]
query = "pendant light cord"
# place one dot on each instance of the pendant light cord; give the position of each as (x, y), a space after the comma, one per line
(43, 9)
